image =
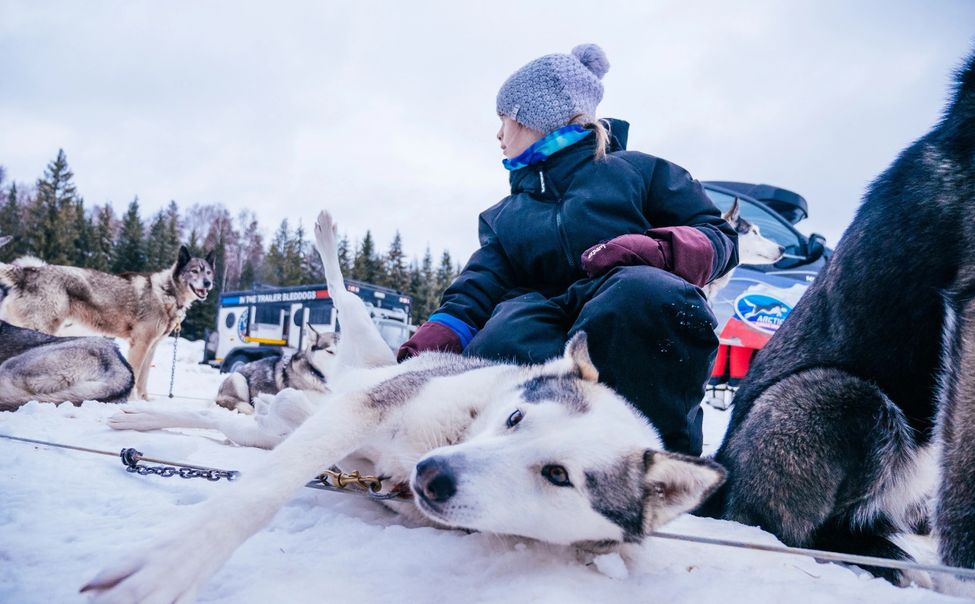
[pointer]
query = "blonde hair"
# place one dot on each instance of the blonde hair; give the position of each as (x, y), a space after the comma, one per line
(602, 134)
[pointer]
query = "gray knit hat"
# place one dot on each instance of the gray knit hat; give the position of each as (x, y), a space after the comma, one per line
(548, 92)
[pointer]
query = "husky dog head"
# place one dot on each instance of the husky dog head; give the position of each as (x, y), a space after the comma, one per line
(194, 274)
(566, 461)
(321, 348)
(753, 248)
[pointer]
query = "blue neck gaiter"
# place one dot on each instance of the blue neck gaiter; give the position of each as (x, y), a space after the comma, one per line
(547, 146)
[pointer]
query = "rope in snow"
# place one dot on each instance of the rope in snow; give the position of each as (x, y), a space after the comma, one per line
(131, 458)
(824, 555)
(189, 398)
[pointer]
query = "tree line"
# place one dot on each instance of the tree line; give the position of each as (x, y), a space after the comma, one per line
(50, 220)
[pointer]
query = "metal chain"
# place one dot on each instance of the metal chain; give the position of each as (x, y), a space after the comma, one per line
(131, 458)
(172, 372)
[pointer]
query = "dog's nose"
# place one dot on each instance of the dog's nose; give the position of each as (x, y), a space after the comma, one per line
(435, 479)
(207, 283)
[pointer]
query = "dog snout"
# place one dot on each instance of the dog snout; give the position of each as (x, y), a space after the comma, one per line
(207, 283)
(436, 480)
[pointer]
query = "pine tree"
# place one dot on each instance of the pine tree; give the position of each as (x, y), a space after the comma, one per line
(445, 274)
(173, 231)
(426, 299)
(11, 225)
(397, 276)
(345, 262)
(85, 236)
(253, 252)
(275, 262)
(130, 254)
(53, 215)
(103, 239)
(367, 265)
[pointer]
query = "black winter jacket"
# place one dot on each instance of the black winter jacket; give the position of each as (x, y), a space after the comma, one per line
(533, 239)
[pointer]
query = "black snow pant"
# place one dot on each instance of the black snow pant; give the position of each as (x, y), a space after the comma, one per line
(650, 334)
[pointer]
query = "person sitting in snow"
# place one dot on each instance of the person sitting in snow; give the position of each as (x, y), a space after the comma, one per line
(593, 238)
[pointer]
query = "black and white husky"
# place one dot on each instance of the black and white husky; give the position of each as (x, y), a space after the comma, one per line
(303, 370)
(544, 452)
(862, 406)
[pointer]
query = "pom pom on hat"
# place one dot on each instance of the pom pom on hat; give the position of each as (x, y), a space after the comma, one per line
(593, 57)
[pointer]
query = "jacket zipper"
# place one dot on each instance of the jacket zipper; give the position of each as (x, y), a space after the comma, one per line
(563, 236)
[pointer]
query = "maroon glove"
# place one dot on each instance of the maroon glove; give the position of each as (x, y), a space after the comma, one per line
(683, 251)
(430, 336)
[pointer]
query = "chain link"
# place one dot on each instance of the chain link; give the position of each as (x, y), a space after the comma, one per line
(130, 458)
(170, 471)
(172, 371)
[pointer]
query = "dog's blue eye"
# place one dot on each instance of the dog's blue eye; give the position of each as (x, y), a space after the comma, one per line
(557, 475)
(515, 417)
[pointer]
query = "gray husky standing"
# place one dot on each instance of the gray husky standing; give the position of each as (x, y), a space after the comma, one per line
(862, 406)
(37, 367)
(304, 370)
(140, 307)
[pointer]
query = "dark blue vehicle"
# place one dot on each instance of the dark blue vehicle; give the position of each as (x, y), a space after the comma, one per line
(760, 297)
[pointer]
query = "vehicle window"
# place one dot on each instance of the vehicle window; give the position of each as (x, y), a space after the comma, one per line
(270, 314)
(320, 314)
(394, 333)
(768, 223)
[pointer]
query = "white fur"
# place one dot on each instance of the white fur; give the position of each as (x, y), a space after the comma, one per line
(462, 417)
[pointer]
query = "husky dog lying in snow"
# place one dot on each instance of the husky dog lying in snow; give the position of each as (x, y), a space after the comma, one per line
(753, 247)
(304, 370)
(544, 452)
(140, 307)
(37, 367)
(862, 406)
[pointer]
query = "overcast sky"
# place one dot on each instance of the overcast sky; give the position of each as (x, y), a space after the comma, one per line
(384, 111)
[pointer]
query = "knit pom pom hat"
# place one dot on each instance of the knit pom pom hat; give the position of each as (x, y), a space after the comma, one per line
(548, 92)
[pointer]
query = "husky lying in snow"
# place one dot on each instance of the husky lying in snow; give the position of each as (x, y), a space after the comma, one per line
(544, 452)
(38, 367)
(304, 370)
(753, 248)
(140, 307)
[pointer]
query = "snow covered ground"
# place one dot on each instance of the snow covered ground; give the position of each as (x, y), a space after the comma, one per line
(65, 514)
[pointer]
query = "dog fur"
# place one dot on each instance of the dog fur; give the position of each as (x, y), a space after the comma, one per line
(304, 370)
(753, 247)
(140, 307)
(38, 367)
(544, 452)
(862, 406)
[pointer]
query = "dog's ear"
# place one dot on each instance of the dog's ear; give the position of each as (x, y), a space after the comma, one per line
(5, 240)
(211, 258)
(677, 484)
(182, 259)
(577, 352)
(733, 212)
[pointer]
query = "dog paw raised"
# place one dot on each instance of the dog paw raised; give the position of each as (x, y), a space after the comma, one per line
(326, 231)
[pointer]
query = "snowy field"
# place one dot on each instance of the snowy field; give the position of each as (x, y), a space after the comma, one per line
(65, 514)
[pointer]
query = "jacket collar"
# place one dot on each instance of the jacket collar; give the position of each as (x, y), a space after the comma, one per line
(549, 178)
